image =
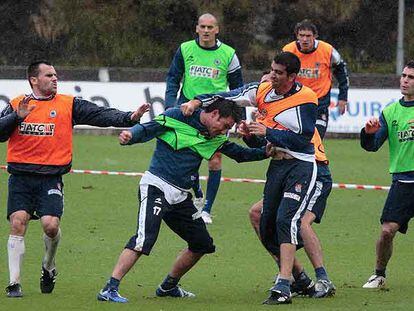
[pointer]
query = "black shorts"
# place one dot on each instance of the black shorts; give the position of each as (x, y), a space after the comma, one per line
(399, 206)
(38, 195)
(154, 208)
(285, 197)
(320, 193)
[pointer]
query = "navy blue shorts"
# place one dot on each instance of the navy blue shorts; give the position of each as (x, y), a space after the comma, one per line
(178, 217)
(399, 206)
(287, 190)
(38, 195)
(320, 193)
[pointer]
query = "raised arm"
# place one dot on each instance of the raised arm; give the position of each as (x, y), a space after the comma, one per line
(374, 134)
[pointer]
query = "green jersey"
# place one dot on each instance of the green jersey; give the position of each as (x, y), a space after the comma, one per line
(400, 123)
(181, 135)
(205, 71)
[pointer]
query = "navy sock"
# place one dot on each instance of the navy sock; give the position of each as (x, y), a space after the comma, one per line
(213, 184)
(321, 273)
(198, 192)
(169, 282)
(380, 272)
(283, 285)
(112, 283)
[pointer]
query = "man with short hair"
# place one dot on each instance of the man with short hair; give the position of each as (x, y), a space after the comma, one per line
(396, 124)
(203, 65)
(38, 128)
(164, 190)
(318, 61)
(287, 110)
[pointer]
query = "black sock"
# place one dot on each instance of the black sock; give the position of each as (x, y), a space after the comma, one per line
(169, 282)
(112, 283)
(380, 272)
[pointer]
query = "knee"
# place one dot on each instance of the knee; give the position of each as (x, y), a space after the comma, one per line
(51, 229)
(18, 225)
(387, 233)
(254, 215)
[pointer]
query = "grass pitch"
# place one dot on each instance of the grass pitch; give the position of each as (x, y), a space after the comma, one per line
(100, 216)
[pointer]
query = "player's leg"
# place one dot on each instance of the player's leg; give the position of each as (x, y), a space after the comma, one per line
(51, 239)
(213, 184)
(397, 212)
(151, 211)
(315, 210)
(20, 207)
(50, 209)
(194, 232)
(298, 183)
(302, 283)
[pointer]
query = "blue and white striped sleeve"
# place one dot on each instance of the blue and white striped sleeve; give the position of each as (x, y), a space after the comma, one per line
(244, 96)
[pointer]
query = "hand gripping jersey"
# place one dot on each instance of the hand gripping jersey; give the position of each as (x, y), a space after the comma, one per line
(315, 69)
(45, 135)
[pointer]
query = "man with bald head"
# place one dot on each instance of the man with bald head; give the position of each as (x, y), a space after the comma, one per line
(203, 65)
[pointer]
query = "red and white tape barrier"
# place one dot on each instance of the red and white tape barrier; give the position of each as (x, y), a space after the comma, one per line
(225, 179)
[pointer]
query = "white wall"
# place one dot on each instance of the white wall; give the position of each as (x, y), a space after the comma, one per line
(363, 103)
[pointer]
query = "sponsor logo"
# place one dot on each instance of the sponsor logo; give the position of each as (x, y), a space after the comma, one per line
(309, 73)
(204, 72)
(37, 129)
(158, 201)
(291, 195)
(54, 191)
(407, 135)
(298, 188)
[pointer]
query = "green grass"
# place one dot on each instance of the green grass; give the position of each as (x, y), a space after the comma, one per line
(100, 216)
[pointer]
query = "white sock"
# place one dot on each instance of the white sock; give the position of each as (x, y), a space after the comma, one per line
(51, 245)
(15, 250)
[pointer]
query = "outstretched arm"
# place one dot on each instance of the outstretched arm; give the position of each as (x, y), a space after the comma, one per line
(85, 112)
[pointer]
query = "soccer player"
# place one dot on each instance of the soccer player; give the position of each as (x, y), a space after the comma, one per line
(203, 65)
(291, 174)
(182, 143)
(318, 61)
(38, 128)
(396, 124)
(302, 284)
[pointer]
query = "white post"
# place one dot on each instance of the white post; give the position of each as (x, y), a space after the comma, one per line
(400, 39)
